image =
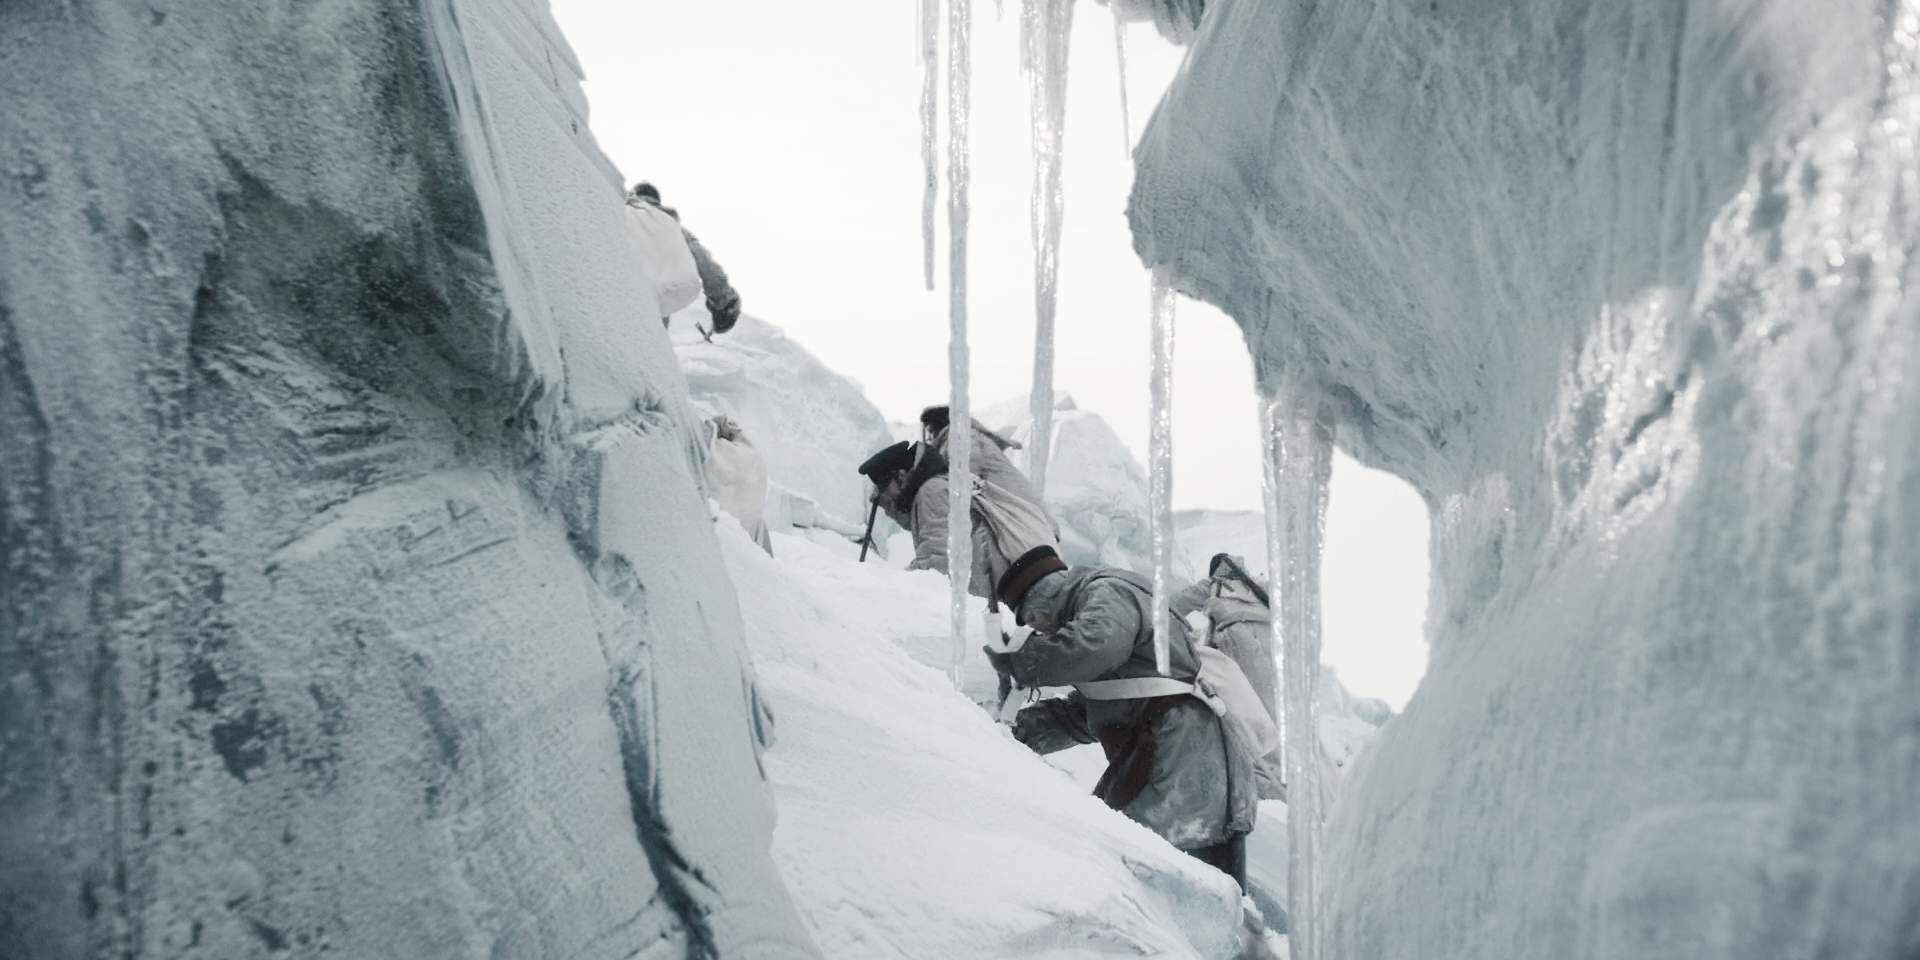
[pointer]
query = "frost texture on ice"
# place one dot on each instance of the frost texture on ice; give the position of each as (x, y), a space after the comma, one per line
(358, 591)
(1622, 290)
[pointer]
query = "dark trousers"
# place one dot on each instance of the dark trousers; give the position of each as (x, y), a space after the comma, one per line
(1229, 858)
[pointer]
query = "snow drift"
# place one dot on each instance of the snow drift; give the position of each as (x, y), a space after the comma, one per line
(1622, 289)
(359, 596)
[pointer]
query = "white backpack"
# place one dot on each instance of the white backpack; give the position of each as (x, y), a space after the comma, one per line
(662, 248)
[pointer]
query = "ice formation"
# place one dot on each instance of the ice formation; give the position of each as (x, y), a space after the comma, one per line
(1298, 464)
(1160, 461)
(929, 128)
(1046, 28)
(359, 596)
(1622, 290)
(959, 408)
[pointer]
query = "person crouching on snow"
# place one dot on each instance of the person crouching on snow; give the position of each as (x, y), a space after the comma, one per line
(1172, 765)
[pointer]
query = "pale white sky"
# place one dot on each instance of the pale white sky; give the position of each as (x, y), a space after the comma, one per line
(788, 137)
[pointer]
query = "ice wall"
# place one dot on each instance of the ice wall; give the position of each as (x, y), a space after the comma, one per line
(1621, 288)
(359, 597)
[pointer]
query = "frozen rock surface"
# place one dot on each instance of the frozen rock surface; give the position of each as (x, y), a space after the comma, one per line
(1621, 288)
(359, 597)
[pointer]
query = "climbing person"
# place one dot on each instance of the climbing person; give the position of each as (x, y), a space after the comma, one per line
(737, 477)
(680, 266)
(910, 483)
(1240, 624)
(1173, 764)
(988, 453)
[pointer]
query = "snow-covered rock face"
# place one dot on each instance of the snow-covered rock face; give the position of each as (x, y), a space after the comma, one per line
(1621, 289)
(358, 594)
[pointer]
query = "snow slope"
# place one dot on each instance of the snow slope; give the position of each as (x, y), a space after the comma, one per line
(358, 597)
(1622, 290)
(913, 826)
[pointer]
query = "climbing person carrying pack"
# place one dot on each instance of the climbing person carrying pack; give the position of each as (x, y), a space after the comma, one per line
(1177, 762)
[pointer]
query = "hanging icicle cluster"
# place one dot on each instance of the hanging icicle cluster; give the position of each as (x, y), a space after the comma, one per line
(1297, 434)
(1046, 29)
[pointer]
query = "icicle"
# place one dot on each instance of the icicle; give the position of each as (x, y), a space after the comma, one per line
(1160, 465)
(1046, 29)
(1299, 454)
(1120, 53)
(929, 95)
(960, 428)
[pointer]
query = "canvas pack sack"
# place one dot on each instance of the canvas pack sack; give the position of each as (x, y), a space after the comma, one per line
(662, 248)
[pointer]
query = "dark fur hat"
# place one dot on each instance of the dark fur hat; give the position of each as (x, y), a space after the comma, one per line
(934, 418)
(894, 458)
(1031, 566)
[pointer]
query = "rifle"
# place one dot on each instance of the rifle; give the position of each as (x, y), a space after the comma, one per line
(866, 539)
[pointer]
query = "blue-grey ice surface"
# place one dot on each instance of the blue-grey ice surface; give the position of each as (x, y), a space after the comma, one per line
(1622, 290)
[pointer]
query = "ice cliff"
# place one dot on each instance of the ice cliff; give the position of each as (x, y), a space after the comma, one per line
(1622, 289)
(359, 594)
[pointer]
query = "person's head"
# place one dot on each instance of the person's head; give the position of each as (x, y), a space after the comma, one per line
(933, 420)
(645, 191)
(889, 465)
(1034, 587)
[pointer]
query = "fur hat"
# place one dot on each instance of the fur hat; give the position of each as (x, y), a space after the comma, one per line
(935, 419)
(1024, 573)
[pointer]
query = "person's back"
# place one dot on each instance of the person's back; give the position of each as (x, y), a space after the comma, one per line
(678, 281)
(1171, 766)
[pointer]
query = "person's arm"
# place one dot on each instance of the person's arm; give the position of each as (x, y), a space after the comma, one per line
(930, 526)
(1099, 638)
(1054, 724)
(722, 301)
(1194, 597)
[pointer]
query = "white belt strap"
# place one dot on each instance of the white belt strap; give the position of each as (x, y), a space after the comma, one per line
(1133, 688)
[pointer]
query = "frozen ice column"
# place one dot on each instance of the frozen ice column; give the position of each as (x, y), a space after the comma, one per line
(960, 414)
(1298, 437)
(1160, 466)
(1047, 26)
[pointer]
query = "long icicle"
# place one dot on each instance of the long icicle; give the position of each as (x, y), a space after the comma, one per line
(1120, 56)
(1047, 28)
(1160, 469)
(929, 97)
(1299, 449)
(960, 420)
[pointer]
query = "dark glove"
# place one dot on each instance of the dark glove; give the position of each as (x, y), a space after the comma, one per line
(1002, 665)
